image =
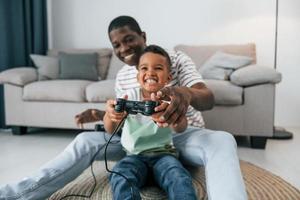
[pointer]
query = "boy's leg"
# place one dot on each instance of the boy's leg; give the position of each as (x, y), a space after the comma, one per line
(135, 171)
(174, 178)
(217, 151)
(64, 168)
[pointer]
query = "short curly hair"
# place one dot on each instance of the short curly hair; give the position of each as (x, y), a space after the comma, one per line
(122, 21)
(158, 50)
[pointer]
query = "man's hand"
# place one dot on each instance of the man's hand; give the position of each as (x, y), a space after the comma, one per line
(159, 111)
(87, 116)
(171, 114)
(198, 96)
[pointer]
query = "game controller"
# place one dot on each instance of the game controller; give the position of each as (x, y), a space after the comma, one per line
(134, 107)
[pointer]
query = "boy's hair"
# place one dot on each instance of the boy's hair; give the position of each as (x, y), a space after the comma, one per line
(157, 50)
(122, 21)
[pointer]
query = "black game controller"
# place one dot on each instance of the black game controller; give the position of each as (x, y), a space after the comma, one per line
(134, 107)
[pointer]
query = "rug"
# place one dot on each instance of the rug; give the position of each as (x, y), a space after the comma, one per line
(260, 184)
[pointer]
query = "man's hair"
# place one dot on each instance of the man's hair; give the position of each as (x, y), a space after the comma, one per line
(157, 50)
(122, 21)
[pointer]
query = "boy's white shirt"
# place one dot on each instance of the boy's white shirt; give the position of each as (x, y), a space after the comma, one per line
(148, 135)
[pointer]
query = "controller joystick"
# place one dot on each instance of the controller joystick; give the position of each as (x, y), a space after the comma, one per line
(134, 107)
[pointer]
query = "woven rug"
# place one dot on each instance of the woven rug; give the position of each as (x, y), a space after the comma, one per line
(260, 185)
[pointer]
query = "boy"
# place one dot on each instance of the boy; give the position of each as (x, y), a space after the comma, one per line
(148, 146)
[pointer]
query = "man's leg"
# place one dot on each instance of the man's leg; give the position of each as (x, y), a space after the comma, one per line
(174, 178)
(217, 151)
(135, 171)
(64, 168)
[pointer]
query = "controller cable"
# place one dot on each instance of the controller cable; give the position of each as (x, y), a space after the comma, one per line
(106, 166)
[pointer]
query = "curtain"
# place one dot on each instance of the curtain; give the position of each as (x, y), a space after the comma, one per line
(23, 31)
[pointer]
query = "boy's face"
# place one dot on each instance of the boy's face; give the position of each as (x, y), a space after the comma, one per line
(153, 72)
(127, 44)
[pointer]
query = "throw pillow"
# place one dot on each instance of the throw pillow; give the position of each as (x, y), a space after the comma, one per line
(254, 74)
(47, 66)
(221, 65)
(78, 66)
(115, 65)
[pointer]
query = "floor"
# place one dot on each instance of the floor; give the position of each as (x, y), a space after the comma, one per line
(22, 155)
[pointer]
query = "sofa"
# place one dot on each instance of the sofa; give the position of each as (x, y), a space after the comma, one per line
(244, 99)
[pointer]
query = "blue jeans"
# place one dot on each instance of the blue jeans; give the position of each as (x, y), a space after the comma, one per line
(167, 171)
(215, 150)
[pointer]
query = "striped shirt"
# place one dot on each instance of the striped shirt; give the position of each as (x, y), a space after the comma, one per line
(183, 72)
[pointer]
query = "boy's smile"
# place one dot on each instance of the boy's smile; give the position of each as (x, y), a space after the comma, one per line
(153, 73)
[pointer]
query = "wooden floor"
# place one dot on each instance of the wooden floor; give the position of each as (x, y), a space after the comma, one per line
(22, 155)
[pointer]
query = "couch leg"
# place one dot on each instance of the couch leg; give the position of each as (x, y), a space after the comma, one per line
(258, 142)
(19, 130)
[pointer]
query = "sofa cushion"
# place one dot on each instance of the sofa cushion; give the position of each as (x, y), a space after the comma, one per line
(18, 76)
(221, 65)
(225, 92)
(114, 66)
(78, 66)
(254, 74)
(100, 91)
(104, 56)
(47, 66)
(56, 90)
(200, 53)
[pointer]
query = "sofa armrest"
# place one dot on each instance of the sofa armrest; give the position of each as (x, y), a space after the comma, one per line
(19, 76)
(254, 74)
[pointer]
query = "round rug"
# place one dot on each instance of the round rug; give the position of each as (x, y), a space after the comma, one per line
(260, 184)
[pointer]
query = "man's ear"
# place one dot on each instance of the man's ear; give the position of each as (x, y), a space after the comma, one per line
(143, 34)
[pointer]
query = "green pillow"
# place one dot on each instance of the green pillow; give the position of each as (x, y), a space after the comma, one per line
(78, 66)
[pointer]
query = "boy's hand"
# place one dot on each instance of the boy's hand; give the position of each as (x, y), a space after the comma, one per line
(111, 113)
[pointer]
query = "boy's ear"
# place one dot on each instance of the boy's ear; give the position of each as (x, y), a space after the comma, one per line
(169, 77)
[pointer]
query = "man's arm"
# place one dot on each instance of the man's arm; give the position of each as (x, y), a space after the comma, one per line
(202, 98)
(191, 91)
(198, 96)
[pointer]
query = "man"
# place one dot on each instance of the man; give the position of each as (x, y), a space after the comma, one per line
(216, 150)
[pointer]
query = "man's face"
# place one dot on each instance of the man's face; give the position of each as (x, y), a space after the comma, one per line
(153, 72)
(127, 44)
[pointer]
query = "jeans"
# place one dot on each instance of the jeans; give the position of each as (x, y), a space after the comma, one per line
(167, 171)
(216, 150)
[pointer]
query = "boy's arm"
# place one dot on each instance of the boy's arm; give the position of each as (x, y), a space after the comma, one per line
(181, 126)
(111, 118)
(109, 125)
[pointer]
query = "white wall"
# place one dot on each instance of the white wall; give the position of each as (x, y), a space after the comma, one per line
(83, 24)
(288, 91)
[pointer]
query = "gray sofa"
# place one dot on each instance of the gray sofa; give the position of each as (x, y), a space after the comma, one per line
(244, 103)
